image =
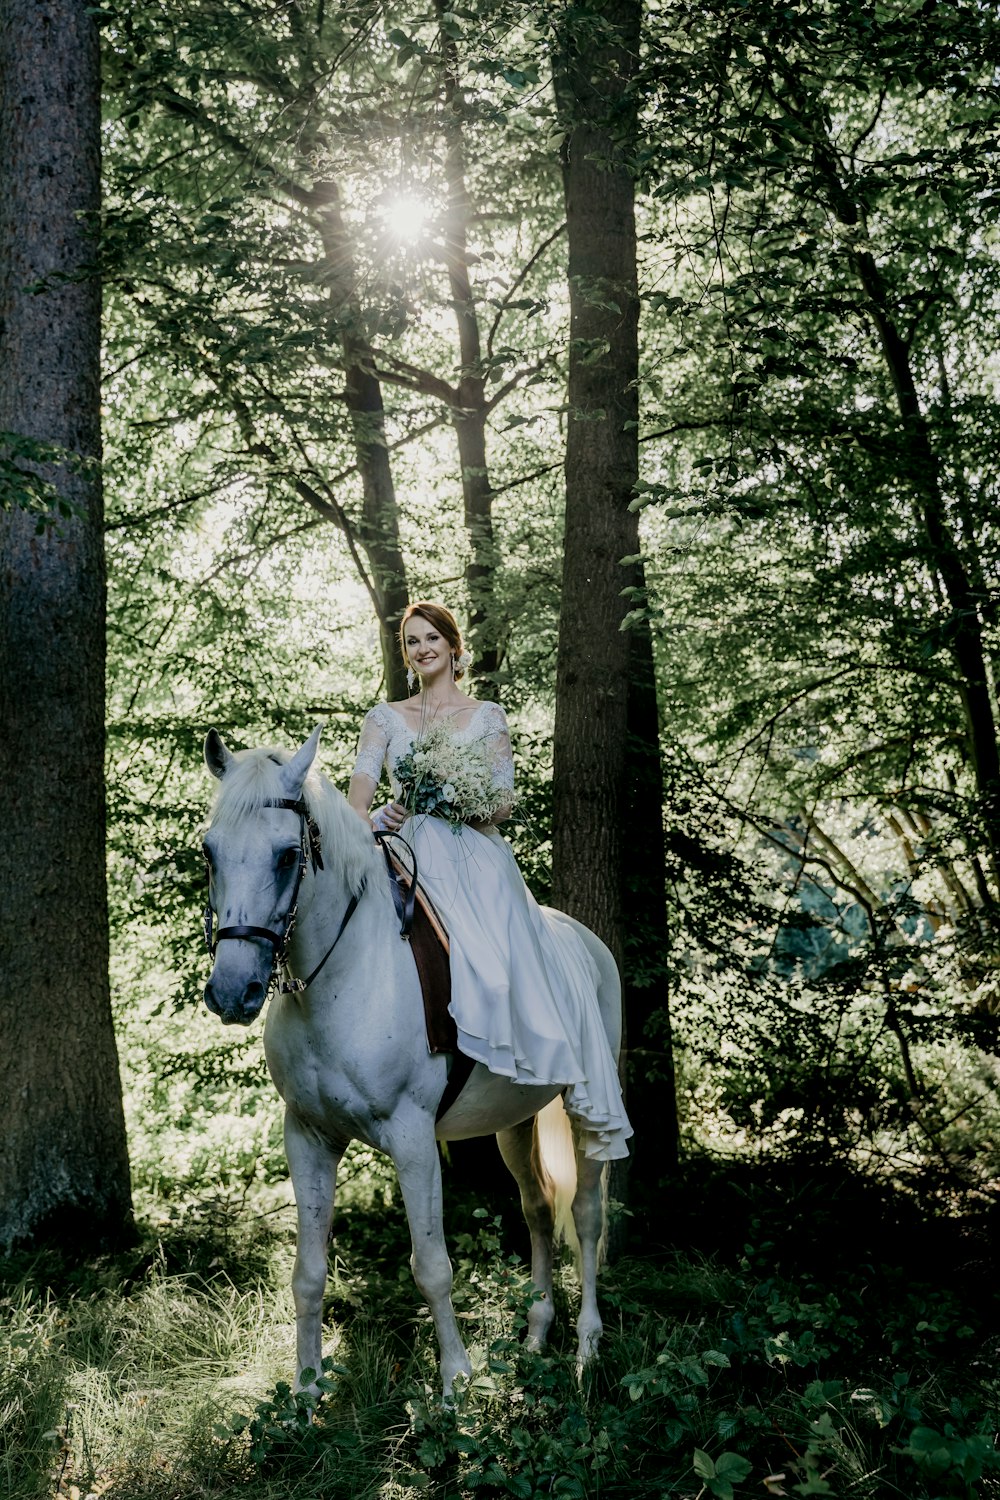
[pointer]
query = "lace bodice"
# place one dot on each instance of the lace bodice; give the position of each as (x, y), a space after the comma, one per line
(386, 737)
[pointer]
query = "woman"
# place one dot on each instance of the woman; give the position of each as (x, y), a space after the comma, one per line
(524, 994)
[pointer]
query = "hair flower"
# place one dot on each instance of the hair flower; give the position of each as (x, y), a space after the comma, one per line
(463, 661)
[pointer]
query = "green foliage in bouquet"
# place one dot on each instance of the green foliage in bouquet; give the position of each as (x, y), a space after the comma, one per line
(450, 778)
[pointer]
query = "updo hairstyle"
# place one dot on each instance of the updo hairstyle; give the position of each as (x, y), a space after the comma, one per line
(444, 623)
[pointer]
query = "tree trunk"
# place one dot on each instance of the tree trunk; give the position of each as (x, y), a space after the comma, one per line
(602, 468)
(63, 1163)
(604, 673)
(943, 549)
(652, 1092)
(486, 630)
(379, 530)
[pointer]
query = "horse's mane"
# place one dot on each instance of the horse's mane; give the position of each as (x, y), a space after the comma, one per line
(254, 778)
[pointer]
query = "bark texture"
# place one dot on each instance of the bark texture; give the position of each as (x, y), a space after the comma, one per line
(63, 1163)
(598, 49)
(608, 852)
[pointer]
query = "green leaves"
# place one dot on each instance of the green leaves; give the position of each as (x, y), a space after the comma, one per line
(966, 1458)
(722, 1473)
(27, 481)
(286, 1423)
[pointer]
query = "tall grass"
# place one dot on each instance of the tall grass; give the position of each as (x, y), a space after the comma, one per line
(150, 1380)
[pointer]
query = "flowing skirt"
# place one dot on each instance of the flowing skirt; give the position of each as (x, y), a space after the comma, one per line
(524, 987)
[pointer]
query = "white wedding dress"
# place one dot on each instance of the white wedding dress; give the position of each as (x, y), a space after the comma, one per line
(524, 995)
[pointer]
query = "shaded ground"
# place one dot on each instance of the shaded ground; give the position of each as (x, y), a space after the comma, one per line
(785, 1329)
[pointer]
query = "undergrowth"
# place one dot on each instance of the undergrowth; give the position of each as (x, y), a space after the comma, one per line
(156, 1378)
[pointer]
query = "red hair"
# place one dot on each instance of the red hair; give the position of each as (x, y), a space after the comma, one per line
(442, 620)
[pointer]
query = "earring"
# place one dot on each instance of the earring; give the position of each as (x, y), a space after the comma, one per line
(411, 678)
(453, 666)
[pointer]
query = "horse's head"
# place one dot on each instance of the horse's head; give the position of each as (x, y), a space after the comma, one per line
(254, 850)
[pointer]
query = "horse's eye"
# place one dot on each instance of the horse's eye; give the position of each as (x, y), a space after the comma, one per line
(287, 858)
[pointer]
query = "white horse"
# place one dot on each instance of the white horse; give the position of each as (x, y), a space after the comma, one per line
(348, 1053)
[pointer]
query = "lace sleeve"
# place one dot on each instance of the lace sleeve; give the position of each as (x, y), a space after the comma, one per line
(371, 747)
(497, 737)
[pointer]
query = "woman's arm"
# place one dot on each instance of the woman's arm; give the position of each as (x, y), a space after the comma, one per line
(361, 794)
(368, 765)
(501, 763)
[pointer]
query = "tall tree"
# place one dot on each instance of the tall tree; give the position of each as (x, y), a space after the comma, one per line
(605, 686)
(257, 184)
(63, 1163)
(836, 220)
(277, 231)
(471, 410)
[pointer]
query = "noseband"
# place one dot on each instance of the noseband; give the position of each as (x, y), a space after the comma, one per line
(311, 850)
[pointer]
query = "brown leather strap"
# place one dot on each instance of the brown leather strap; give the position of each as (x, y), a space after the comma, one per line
(461, 1067)
(434, 971)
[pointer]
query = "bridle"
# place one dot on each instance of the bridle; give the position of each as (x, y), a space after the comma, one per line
(310, 852)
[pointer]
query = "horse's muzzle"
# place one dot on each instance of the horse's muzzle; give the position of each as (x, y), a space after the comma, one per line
(236, 1009)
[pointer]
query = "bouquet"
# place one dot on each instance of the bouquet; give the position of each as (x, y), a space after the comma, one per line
(450, 779)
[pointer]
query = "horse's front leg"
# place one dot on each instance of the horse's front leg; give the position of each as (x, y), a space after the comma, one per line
(313, 1165)
(411, 1144)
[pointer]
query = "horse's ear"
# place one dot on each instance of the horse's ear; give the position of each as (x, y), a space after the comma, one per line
(295, 771)
(218, 756)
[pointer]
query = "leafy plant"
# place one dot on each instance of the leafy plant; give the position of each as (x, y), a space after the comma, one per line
(722, 1474)
(287, 1423)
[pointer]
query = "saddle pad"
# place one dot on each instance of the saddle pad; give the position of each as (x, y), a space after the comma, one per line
(431, 950)
(429, 942)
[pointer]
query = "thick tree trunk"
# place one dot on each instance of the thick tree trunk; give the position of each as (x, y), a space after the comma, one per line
(63, 1163)
(607, 800)
(602, 468)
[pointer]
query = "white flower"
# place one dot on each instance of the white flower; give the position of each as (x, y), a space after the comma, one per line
(463, 661)
(442, 769)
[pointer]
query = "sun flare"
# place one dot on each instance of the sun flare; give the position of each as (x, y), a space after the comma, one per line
(406, 216)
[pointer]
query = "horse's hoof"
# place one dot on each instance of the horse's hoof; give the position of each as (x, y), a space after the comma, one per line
(586, 1351)
(448, 1394)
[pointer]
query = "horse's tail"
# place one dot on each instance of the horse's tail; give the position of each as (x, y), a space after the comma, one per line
(557, 1158)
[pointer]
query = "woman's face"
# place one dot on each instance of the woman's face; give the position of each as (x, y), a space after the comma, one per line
(427, 650)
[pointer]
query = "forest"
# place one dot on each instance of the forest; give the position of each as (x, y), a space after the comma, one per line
(659, 342)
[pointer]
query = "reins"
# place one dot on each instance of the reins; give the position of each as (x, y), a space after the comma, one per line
(311, 850)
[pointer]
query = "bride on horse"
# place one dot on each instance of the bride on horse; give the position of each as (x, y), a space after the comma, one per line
(524, 986)
(298, 888)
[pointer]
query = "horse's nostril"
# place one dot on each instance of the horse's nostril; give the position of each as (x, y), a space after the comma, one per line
(210, 999)
(253, 997)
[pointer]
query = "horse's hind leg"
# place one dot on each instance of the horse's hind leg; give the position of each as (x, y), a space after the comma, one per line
(588, 1217)
(519, 1150)
(313, 1167)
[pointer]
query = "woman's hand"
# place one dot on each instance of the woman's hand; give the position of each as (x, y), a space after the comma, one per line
(392, 817)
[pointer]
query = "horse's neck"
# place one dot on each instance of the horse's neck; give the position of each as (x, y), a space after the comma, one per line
(327, 898)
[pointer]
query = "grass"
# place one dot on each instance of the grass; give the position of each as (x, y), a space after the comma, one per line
(163, 1375)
